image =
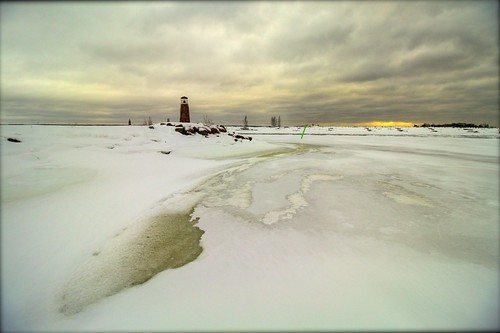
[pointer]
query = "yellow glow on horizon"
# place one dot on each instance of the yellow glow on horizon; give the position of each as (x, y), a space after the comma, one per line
(373, 124)
(389, 123)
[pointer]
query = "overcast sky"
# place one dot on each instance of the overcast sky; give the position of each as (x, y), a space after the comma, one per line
(343, 62)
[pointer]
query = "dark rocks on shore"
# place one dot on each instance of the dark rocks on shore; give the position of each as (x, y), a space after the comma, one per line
(241, 137)
(249, 138)
(13, 140)
(203, 131)
(187, 129)
(182, 130)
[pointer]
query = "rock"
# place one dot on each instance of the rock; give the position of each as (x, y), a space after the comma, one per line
(181, 130)
(214, 130)
(13, 140)
(203, 132)
(170, 124)
(243, 137)
(151, 127)
(221, 128)
(165, 152)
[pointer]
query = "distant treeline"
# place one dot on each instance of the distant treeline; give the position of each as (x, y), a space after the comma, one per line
(461, 125)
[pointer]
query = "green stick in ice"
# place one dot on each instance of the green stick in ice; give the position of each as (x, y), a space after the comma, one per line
(303, 132)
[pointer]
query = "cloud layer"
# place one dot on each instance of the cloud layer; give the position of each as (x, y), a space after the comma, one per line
(310, 62)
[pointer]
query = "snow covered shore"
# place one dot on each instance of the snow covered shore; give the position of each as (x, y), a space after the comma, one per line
(343, 229)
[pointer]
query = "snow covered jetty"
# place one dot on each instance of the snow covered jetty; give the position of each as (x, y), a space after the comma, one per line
(205, 130)
(190, 129)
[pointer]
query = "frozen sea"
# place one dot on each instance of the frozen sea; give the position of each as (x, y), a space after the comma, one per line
(344, 228)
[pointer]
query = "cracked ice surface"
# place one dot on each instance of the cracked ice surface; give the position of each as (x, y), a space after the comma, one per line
(353, 234)
(262, 192)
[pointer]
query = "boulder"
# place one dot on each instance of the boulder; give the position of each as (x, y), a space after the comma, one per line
(249, 138)
(13, 140)
(181, 130)
(203, 131)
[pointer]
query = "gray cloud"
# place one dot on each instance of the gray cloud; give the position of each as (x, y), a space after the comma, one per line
(424, 61)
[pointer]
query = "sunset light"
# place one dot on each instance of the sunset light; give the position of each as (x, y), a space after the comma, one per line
(372, 124)
(389, 123)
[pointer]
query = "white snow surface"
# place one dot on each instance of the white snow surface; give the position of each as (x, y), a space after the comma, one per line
(345, 228)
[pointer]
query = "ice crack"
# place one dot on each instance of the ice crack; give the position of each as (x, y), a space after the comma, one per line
(297, 200)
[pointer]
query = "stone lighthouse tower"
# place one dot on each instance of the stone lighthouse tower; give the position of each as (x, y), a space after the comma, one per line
(184, 110)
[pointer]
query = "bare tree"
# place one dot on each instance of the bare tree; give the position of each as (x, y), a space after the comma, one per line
(129, 122)
(245, 123)
(207, 121)
(279, 121)
(150, 122)
(274, 121)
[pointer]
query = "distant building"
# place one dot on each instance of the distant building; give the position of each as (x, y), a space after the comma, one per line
(184, 118)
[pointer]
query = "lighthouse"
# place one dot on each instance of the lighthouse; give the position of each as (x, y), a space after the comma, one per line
(184, 110)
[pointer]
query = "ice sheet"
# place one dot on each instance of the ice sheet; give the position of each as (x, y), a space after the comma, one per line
(325, 232)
